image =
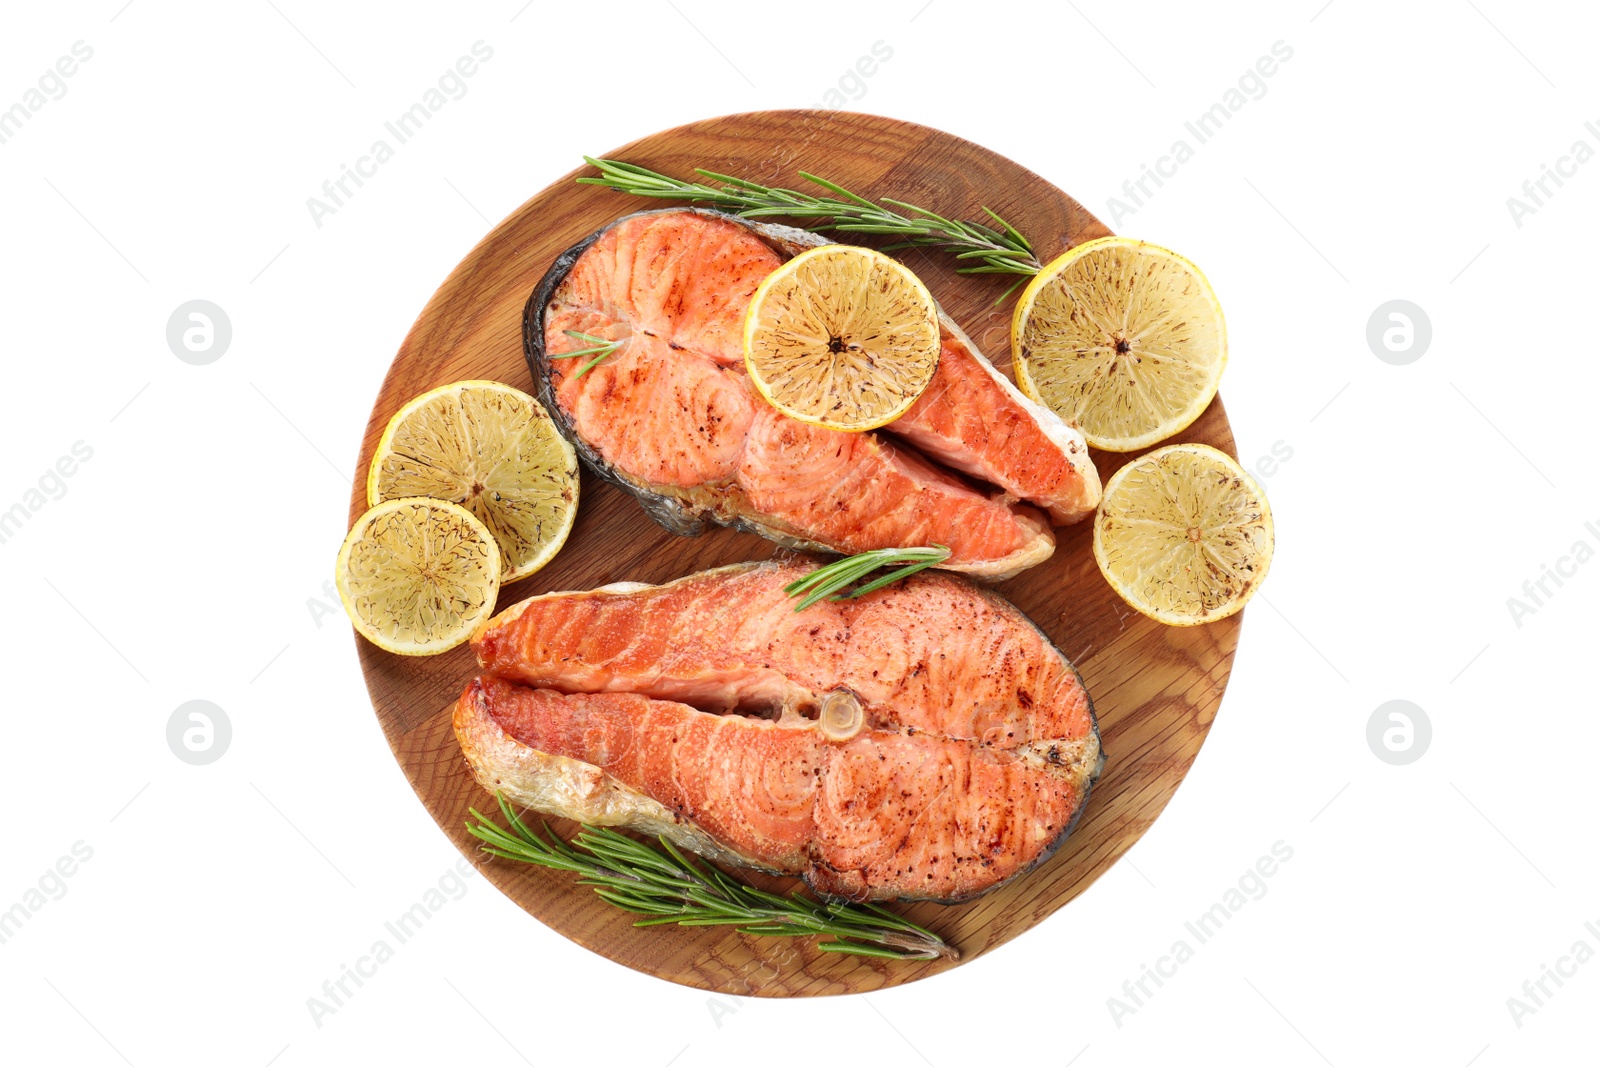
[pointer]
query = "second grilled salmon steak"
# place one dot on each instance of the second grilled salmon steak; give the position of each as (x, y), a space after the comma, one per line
(923, 742)
(673, 418)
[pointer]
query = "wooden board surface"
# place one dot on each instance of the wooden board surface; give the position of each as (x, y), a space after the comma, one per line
(1156, 689)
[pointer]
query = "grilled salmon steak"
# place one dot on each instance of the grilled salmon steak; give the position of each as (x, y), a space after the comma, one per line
(925, 741)
(973, 419)
(673, 418)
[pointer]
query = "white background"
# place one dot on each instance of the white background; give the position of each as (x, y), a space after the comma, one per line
(186, 558)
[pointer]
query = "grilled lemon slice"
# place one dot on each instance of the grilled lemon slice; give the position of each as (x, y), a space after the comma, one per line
(1123, 339)
(418, 576)
(842, 337)
(495, 451)
(1184, 535)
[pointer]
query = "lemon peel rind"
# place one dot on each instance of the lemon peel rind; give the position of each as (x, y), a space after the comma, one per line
(1167, 427)
(1123, 588)
(786, 274)
(549, 547)
(446, 511)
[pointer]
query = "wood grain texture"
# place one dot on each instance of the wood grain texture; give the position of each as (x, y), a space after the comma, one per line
(1156, 689)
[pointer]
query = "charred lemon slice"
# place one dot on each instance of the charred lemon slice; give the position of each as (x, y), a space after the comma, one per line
(495, 451)
(1121, 338)
(842, 337)
(418, 576)
(1184, 535)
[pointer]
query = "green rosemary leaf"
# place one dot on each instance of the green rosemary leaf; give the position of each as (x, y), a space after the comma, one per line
(771, 898)
(626, 903)
(665, 920)
(682, 860)
(729, 886)
(1005, 250)
(600, 349)
(1010, 229)
(830, 581)
(664, 887)
(800, 585)
(834, 187)
(887, 579)
(888, 228)
(610, 165)
(896, 920)
(648, 865)
(741, 183)
(823, 591)
(981, 254)
(1009, 291)
(989, 267)
(853, 949)
(924, 212)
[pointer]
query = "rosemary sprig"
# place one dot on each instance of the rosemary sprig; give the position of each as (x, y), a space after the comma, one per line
(598, 345)
(831, 580)
(665, 886)
(986, 249)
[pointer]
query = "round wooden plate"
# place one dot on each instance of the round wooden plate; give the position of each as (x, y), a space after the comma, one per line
(1155, 688)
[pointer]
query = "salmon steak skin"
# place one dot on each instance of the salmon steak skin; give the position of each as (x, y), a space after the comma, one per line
(673, 418)
(923, 742)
